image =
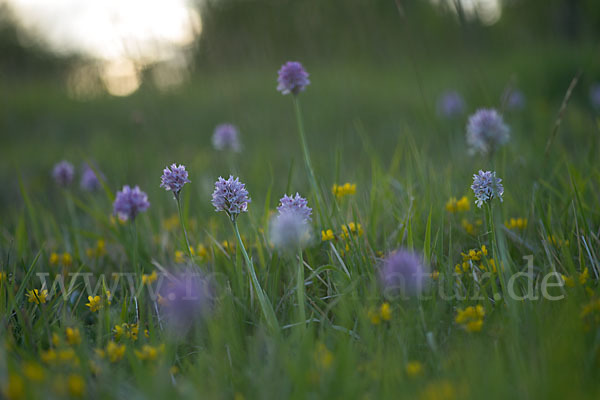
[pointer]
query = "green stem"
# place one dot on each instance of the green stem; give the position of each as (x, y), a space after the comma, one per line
(311, 174)
(265, 304)
(187, 242)
(300, 291)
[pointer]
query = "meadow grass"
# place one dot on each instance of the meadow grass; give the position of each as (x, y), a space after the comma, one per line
(373, 126)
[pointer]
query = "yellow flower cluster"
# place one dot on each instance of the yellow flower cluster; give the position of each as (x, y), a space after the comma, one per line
(352, 228)
(557, 241)
(327, 235)
(149, 353)
(3, 276)
(461, 205)
(471, 318)
(591, 314)
(383, 313)
(583, 278)
(129, 331)
(65, 259)
(469, 258)
(148, 279)
(516, 223)
(442, 390)
(73, 336)
(113, 351)
(98, 251)
(346, 189)
(37, 297)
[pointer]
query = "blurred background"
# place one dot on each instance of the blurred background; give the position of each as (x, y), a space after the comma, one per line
(133, 85)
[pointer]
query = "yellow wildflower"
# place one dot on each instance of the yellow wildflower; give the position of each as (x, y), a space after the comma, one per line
(435, 275)
(67, 259)
(100, 247)
(55, 339)
(73, 336)
(471, 318)
(3, 276)
(115, 351)
(37, 297)
(149, 353)
(352, 228)
(54, 258)
(95, 303)
(179, 257)
(344, 190)
(453, 205)
(67, 356)
(414, 368)
(33, 371)
(442, 390)
(516, 223)
(148, 279)
(557, 241)
(385, 311)
(201, 251)
(327, 235)
(48, 356)
(15, 388)
(76, 385)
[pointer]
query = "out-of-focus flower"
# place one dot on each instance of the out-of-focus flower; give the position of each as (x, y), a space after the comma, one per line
(73, 336)
(450, 104)
(37, 297)
(67, 259)
(290, 230)
(76, 385)
(486, 186)
(461, 205)
(63, 173)
(114, 351)
(33, 371)
(186, 300)
(327, 235)
(295, 204)
(413, 369)
(346, 189)
(383, 313)
(53, 260)
(292, 78)
(516, 223)
(174, 178)
(514, 99)
(149, 279)
(89, 181)
(149, 353)
(230, 196)
(486, 131)
(595, 96)
(130, 202)
(226, 137)
(471, 318)
(353, 229)
(14, 388)
(403, 272)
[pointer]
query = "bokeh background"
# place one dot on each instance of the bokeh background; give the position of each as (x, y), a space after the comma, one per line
(134, 85)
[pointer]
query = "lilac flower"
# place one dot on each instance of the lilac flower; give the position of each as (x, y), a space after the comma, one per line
(296, 204)
(290, 231)
(185, 299)
(486, 131)
(63, 173)
(292, 78)
(173, 179)
(514, 99)
(403, 272)
(230, 196)
(595, 96)
(486, 186)
(226, 136)
(129, 202)
(450, 104)
(89, 180)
